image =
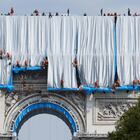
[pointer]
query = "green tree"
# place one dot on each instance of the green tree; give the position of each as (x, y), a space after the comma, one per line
(128, 127)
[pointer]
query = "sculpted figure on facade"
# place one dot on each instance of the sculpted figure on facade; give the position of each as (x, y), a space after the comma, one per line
(112, 111)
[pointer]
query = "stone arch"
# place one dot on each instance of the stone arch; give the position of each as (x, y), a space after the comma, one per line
(44, 103)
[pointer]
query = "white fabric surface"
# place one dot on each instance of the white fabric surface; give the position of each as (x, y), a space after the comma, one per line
(137, 49)
(2, 74)
(37, 39)
(60, 38)
(26, 38)
(96, 50)
(55, 68)
(6, 42)
(127, 48)
(68, 51)
(20, 46)
(61, 52)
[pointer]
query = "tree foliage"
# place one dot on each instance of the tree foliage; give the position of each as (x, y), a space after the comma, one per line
(128, 127)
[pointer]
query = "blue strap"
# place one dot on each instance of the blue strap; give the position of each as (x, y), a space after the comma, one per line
(8, 87)
(62, 89)
(32, 107)
(18, 69)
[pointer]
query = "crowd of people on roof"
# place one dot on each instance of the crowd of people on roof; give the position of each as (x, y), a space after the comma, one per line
(37, 13)
(10, 13)
(102, 13)
(116, 14)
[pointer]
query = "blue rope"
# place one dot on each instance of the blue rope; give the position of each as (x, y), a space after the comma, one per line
(63, 89)
(89, 90)
(18, 69)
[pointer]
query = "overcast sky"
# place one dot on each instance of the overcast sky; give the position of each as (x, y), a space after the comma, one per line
(77, 7)
(45, 127)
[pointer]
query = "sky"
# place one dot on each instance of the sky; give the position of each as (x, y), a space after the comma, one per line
(50, 127)
(44, 127)
(77, 7)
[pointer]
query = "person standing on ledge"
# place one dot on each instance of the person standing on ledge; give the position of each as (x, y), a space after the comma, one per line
(68, 12)
(101, 12)
(129, 13)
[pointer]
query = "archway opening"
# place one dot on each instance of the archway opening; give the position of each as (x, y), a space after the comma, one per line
(44, 127)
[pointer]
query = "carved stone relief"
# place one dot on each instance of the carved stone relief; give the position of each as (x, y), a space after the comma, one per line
(12, 98)
(77, 98)
(108, 111)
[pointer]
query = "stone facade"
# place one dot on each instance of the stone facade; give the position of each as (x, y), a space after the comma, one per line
(103, 110)
(95, 115)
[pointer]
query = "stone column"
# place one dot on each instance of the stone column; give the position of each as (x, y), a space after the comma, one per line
(2, 111)
(3, 134)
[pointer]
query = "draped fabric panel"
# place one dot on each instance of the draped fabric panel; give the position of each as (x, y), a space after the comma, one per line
(61, 39)
(26, 39)
(96, 50)
(127, 49)
(37, 39)
(61, 52)
(55, 68)
(69, 51)
(6, 41)
(137, 49)
(2, 70)
(20, 46)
